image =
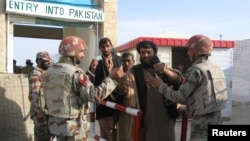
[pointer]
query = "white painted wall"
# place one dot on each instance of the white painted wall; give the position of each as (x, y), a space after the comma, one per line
(165, 55)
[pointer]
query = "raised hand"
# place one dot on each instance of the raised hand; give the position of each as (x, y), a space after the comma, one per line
(154, 81)
(117, 73)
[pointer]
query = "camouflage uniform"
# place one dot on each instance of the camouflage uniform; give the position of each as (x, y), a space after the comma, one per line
(17, 69)
(66, 98)
(28, 68)
(38, 111)
(67, 91)
(204, 93)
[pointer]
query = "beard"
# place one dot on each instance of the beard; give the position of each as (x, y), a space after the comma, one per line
(79, 61)
(44, 66)
(149, 62)
(76, 61)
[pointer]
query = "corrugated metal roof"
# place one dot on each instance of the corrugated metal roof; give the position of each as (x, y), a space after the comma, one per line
(172, 42)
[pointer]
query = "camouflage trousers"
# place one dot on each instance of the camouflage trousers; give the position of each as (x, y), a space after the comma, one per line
(199, 125)
(41, 129)
(69, 129)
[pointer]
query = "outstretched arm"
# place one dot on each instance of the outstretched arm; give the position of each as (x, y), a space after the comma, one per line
(89, 92)
(174, 76)
(192, 80)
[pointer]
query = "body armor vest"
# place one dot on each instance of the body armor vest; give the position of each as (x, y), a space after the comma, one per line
(211, 95)
(61, 100)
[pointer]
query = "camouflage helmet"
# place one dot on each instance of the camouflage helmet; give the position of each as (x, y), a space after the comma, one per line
(71, 45)
(44, 55)
(200, 45)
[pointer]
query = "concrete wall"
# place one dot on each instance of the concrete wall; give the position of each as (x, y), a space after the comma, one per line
(109, 27)
(15, 122)
(240, 47)
(2, 37)
(241, 73)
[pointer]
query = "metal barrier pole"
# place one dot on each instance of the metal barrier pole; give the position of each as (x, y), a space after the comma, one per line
(92, 118)
(137, 126)
(184, 126)
(92, 123)
(132, 111)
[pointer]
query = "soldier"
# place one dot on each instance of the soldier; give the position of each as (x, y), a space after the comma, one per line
(28, 68)
(204, 90)
(38, 112)
(68, 90)
(16, 69)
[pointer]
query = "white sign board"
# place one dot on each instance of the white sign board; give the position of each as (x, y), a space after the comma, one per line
(54, 11)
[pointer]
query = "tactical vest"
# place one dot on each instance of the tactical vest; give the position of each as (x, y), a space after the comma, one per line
(211, 95)
(61, 100)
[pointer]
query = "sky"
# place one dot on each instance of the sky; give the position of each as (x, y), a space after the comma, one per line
(27, 48)
(141, 18)
(229, 18)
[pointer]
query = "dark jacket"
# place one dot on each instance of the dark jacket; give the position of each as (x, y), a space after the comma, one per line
(100, 73)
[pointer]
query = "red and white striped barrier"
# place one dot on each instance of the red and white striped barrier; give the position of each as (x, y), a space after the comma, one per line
(97, 138)
(92, 118)
(92, 123)
(132, 111)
